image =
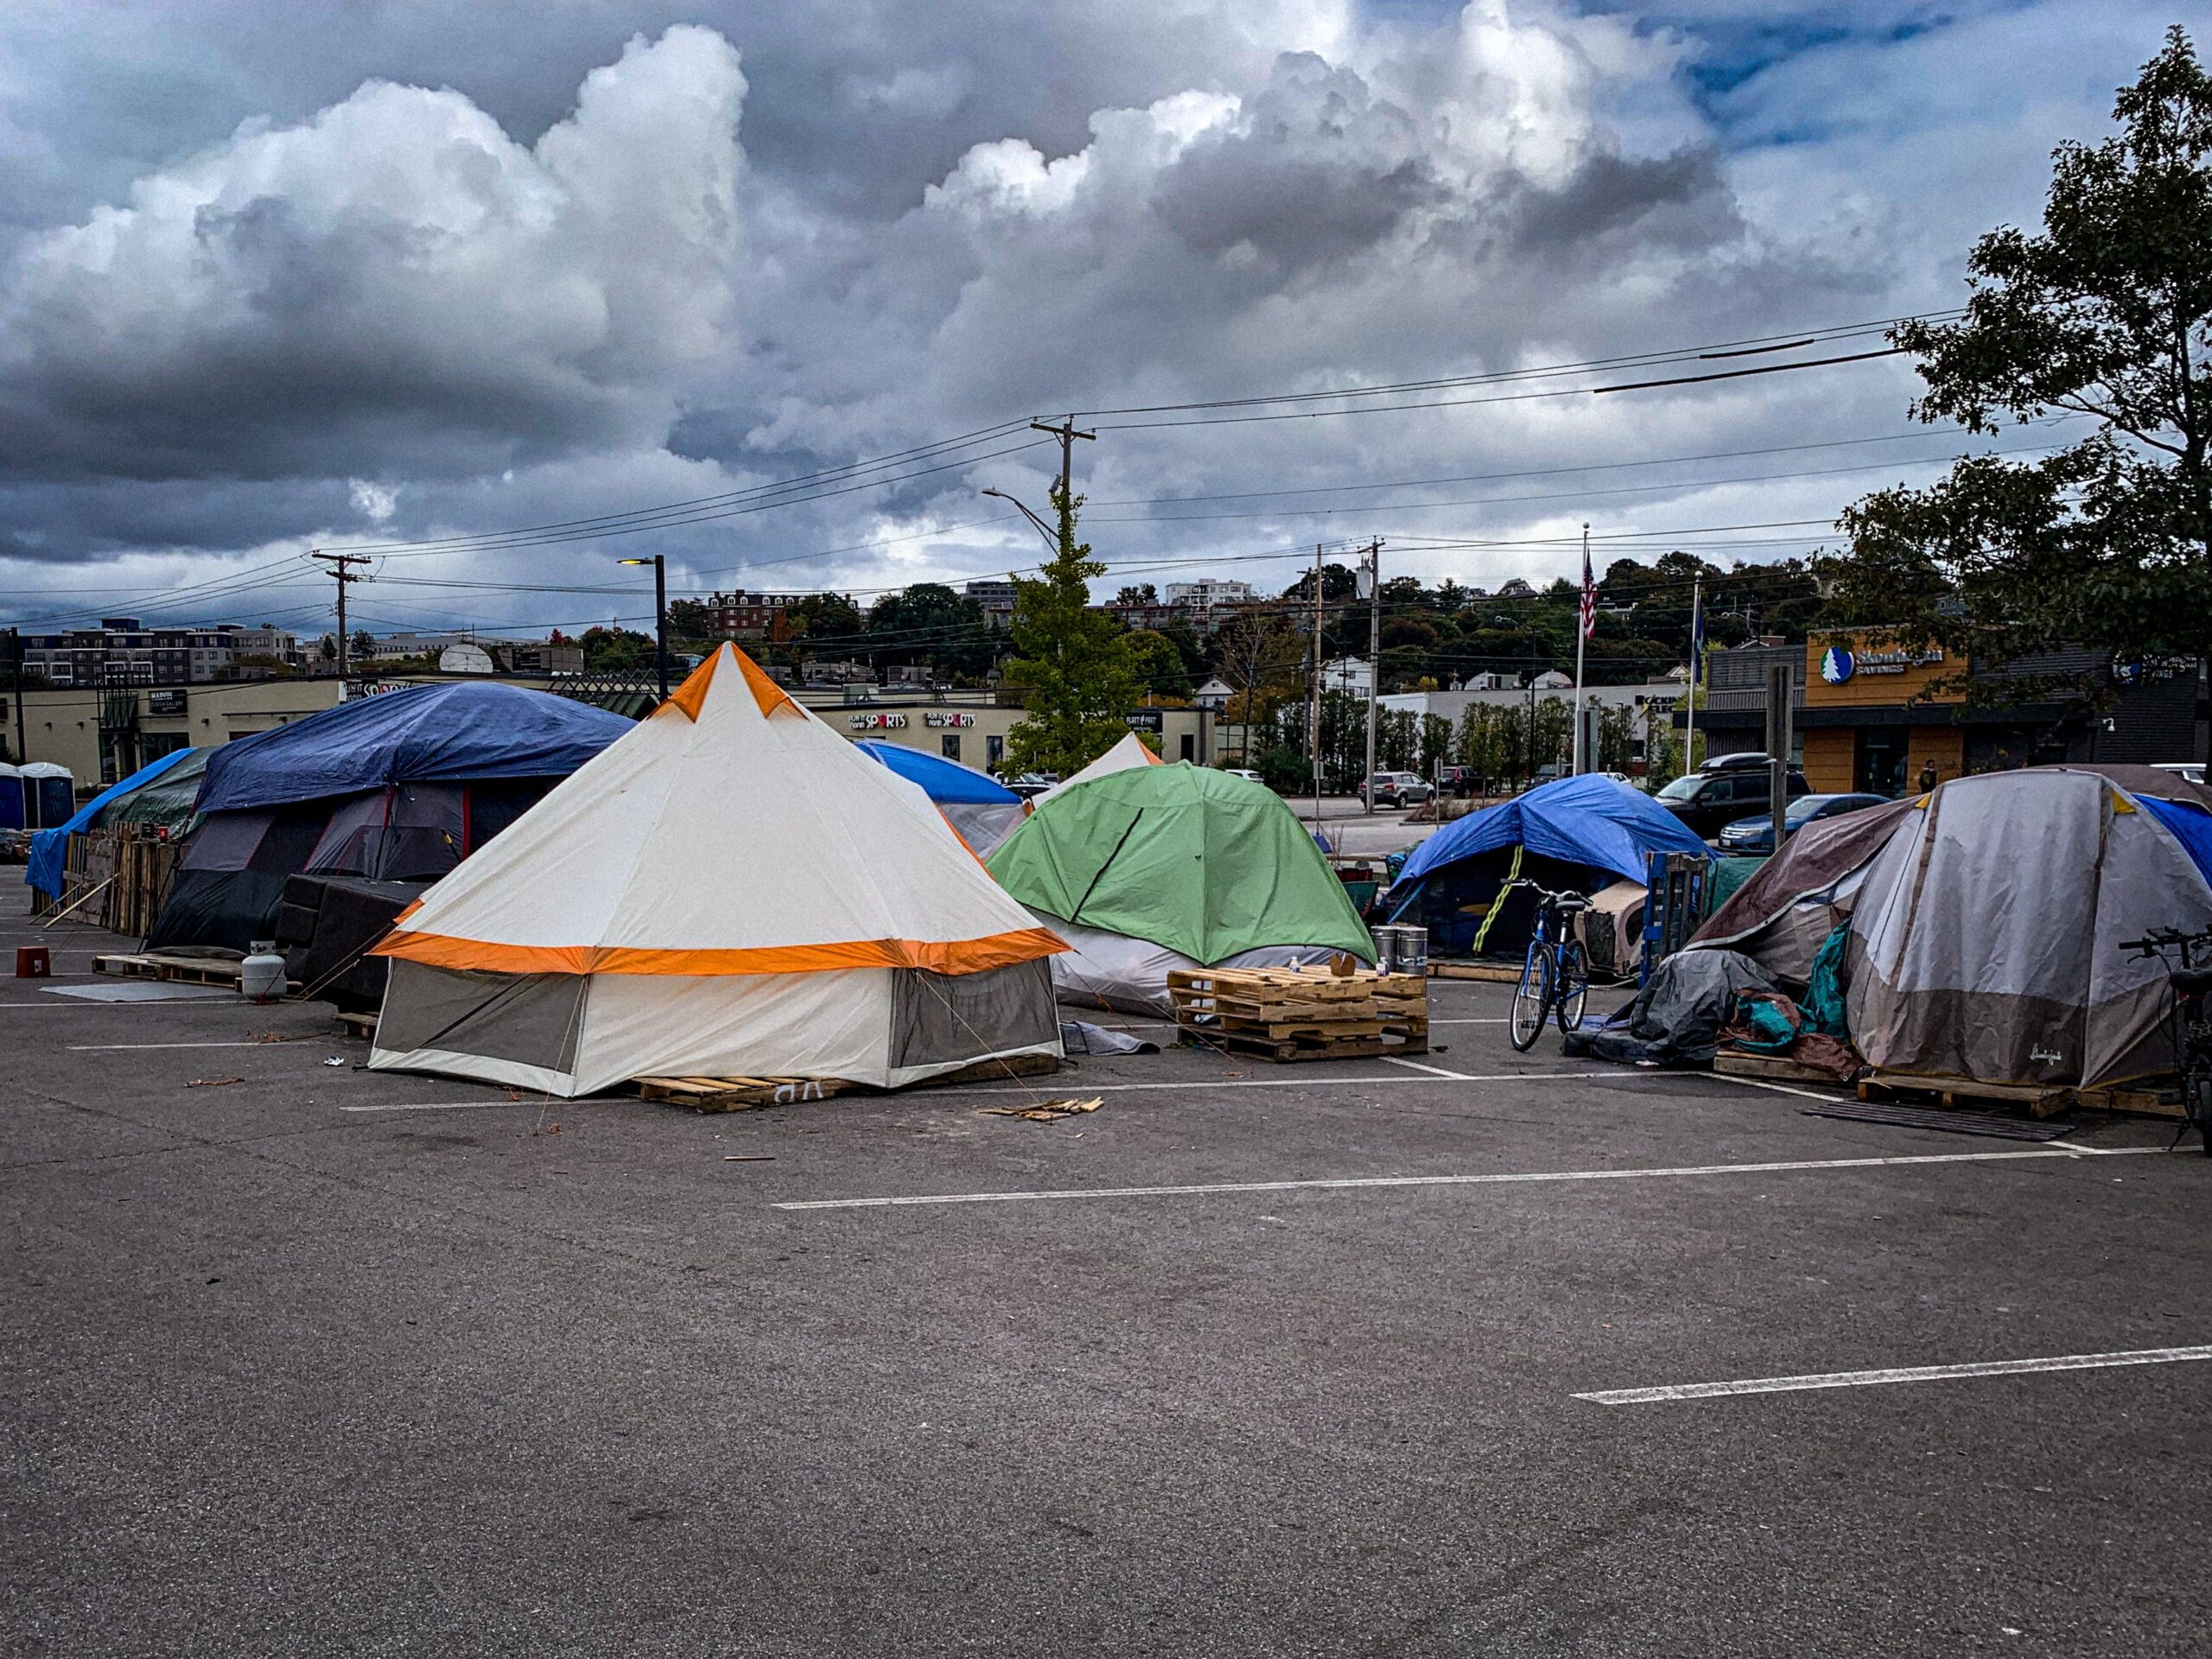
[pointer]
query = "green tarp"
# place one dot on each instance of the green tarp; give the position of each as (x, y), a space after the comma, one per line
(166, 801)
(1193, 860)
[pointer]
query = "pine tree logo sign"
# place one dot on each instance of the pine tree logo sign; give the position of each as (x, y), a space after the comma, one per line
(1837, 665)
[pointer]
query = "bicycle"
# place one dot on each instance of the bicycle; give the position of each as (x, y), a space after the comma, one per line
(2191, 1016)
(1555, 974)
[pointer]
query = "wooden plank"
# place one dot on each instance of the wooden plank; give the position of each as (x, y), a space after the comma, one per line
(1496, 973)
(359, 1025)
(2041, 1100)
(2133, 1100)
(1776, 1068)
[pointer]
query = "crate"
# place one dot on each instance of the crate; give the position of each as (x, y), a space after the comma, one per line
(1301, 1014)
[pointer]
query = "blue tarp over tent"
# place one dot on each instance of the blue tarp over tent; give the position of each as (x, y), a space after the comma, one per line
(428, 734)
(946, 782)
(2187, 824)
(1586, 820)
(50, 847)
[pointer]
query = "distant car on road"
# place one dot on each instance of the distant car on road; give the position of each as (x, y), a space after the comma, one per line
(1708, 802)
(1246, 774)
(1397, 789)
(1030, 783)
(1749, 838)
(1455, 780)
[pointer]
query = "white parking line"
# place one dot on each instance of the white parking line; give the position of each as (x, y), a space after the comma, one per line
(249, 1042)
(1311, 1082)
(1433, 1071)
(1902, 1374)
(1528, 1177)
(1778, 1088)
(441, 1105)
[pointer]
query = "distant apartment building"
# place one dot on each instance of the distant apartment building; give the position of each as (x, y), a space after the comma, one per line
(996, 597)
(509, 655)
(121, 652)
(743, 615)
(1204, 594)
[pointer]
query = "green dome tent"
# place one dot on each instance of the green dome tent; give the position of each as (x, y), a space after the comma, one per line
(1169, 866)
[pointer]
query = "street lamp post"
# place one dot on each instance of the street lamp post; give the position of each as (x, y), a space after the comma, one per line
(1042, 529)
(660, 617)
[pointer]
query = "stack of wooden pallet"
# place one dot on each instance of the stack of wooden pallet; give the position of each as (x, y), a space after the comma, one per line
(1302, 1013)
(144, 865)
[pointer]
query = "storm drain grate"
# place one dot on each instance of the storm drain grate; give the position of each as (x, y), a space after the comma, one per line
(1946, 1120)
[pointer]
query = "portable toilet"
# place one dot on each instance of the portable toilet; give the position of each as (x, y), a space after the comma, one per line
(11, 797)
(49, 795)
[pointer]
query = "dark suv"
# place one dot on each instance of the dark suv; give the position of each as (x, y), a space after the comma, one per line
(1722, 792)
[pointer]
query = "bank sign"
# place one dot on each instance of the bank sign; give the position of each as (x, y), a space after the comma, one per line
(1838, 665)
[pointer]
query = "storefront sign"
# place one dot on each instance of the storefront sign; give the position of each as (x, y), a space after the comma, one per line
(1146, 720)
(939, 722)
(165, 702)
(877, 722)
(2142, 670)
(1838, 665)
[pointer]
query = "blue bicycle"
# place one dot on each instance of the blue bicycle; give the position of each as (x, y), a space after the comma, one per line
(1556, 977)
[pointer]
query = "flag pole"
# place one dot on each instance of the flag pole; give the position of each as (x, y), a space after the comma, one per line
(1697, 674)
(1582, 621)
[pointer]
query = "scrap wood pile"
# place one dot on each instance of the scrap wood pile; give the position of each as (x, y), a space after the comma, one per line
(1302, 1013)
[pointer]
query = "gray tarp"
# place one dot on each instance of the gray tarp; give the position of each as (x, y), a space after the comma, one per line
(1676, 1018)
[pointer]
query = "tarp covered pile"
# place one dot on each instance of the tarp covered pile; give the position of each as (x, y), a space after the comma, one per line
(1157, 868)
(1987, 920)
(50, 848)
(730, 890)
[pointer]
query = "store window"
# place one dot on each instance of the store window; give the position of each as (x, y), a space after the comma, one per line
(949, 744)
(1882, 756)
(993, 751)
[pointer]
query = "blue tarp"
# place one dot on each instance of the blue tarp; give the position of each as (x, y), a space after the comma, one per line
(946, 782)
(450, 733)
(2190, 825)
(1586, 820)
(49, 847)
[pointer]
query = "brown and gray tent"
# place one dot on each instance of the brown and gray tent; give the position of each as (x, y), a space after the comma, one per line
(1986, 921)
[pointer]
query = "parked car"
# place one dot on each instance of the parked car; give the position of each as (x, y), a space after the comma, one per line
(1752, 836)
(1709, 801)
(1397, 789)
(1246, 774)
(1455, 780)
(1031, 783)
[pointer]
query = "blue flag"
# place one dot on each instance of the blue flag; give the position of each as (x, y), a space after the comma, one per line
(1697, 643)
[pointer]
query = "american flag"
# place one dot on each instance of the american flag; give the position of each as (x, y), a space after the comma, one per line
(1589, 595)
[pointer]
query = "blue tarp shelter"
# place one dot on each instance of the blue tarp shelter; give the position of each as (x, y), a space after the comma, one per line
(49, 847)
(1581, 833)
(462, 731)
(396, 787)
(982, 810)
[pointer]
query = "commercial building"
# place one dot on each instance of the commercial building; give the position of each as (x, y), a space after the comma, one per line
(122, 651)
(1873, 715)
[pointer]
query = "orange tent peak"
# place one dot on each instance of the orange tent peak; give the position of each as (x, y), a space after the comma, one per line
(691, 696)
(765, 692)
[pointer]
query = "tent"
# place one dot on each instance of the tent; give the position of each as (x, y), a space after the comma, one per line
(1160, 868)
(167, 802)
(730, 890)
(1967, 958)
(50, 848)
(399, 786)
(1126, 755)
(1585, 834)
(980, 809)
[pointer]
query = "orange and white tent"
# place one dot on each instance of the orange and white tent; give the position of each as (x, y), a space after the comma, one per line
(731, 889)
(1131, 751)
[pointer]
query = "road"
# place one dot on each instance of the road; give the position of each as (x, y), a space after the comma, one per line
(1254, 1360)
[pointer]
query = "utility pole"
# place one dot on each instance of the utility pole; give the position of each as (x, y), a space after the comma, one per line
(341, 566)
(1066, 433)
(659, 563)
(1585, 620)
(16, 661)
(1697, 675)
(1313, 705)
(1372, 569)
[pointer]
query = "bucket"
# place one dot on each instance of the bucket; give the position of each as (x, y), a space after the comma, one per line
(1386, 941)
(1410, 952)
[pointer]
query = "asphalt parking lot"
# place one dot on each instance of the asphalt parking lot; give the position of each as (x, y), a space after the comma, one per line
(1255, 1359)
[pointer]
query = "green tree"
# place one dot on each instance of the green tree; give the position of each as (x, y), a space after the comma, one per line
(2107, 314)
(1074, 661)
(615, 651)
(1157, 665)
(929, 623)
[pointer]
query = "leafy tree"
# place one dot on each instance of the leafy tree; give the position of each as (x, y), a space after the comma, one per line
(831, 623)
(2107, 314)
(929, 623)
(362, 645)
(689, 623)
(616, 650)
(1142, 593)
(1158, 666)
(1074, 661)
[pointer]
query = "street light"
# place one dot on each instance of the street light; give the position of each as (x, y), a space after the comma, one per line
(660, 617)
(1044, 529)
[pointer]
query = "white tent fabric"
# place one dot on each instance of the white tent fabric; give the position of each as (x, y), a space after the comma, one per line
(1132, 751)
(728, 890)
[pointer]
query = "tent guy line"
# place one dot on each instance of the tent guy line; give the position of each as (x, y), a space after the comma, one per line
(1527, 1178)
(1899, 1374)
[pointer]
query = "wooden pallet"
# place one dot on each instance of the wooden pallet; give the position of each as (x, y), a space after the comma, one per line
(2133, 1099)
(186, 971)
(2041, 1100)
(359, 1025)
(745, 1093)
(1292, 1013)
(1772, 1068)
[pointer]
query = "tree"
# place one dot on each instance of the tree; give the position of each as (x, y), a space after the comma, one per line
(831, 623)
(614, 650)
(929, 623)
(1073, 660)
(1259, 652)
(1142, 593)
(362, 645)
(1158, 666)
(2107, 314)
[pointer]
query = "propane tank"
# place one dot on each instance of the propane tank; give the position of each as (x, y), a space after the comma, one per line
(261, 975)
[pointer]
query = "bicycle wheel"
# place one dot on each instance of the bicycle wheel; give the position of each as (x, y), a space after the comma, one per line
(1574, 988)
(1532, 999)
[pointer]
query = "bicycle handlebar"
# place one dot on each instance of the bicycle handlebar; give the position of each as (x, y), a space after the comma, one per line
(2159, 940)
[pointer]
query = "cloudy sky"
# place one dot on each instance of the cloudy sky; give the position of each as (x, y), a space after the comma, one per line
(426, 276)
